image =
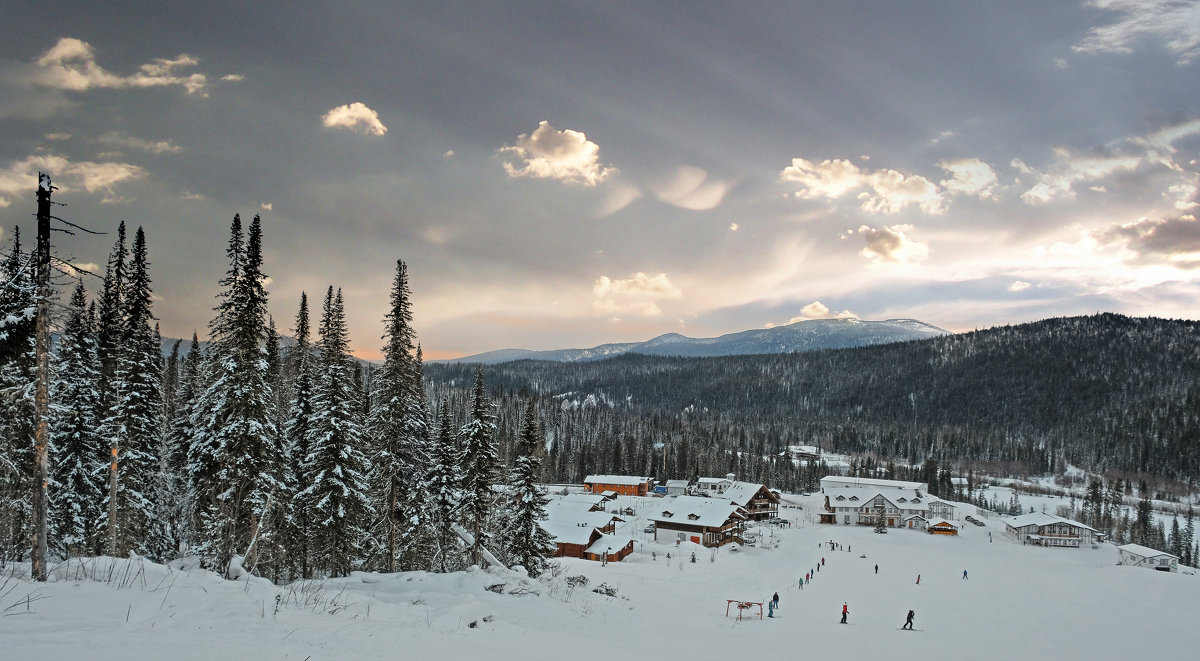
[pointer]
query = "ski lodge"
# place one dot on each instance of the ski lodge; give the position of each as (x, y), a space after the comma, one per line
(704, 521)
(890, 503)
(625, 485)
(1136, 555)
(1049, 530)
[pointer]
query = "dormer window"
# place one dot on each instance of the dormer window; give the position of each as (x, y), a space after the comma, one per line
(693, 517)
(667, 514)
(916, 500)
(903, 499)
(853, 498)
(841, 498)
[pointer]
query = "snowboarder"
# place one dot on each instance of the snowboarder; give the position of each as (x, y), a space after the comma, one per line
(964, 574)
(876, 569)
(845, 612)
(918, 579)
(909, 622)
(775, 600)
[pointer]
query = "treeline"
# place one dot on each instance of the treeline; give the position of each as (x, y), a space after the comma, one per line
(288, 463)
(1108, 393)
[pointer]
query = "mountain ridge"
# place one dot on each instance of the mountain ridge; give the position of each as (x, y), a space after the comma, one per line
(797, 337)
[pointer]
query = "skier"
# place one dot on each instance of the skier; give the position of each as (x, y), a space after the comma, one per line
(845, 612)
(775, 600)
(876, 569)
(770, 609)
(918, 579)
(964, 574)
(909, 622)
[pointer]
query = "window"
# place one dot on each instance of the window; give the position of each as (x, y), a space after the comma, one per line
(841, 498)
(853, 498)
(903, 500)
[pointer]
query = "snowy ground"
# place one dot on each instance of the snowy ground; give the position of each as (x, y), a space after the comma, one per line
(1018, 601)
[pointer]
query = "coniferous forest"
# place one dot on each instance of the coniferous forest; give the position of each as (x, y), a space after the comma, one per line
(303, 461)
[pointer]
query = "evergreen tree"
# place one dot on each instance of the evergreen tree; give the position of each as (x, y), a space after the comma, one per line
(79, 449)
(527, 543)
(302, 366)
(339, 499)
(443, 485)
(134, 422)
(397, 427)
(480, 467)
(18, 308)
(236, 440)
(110, 324)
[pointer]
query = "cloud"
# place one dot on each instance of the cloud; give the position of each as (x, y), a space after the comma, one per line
(128, 142)
(58, 136)
(886, 191)
(567, 156)
(618, 196)
(1172, 241)
(267, 206)
(233, 78)
(691, 188)
(356, 117)
(1018, 285)
(969, 176)
(20, 177)
(638, 293)
(1072, 168)
(890, 245)
(815, 310)
(70, 65)
(1174, 23)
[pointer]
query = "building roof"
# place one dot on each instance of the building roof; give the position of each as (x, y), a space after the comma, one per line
(608, 543)
(615, 479)
(1145, 551)
(677, 483)
(713, 480)
(586, 499)
(840, 482)
(695, 511)
(740, 493)
(1043, 519)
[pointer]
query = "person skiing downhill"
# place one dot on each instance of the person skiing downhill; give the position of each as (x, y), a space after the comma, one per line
(918, 579)
(964, 574)
(845, 612)
(908, 623)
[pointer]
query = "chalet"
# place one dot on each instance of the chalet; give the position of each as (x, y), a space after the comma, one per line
(609, 548)
(705, 521)
(575, 528)
(625, 485)
(592, 502)
(759, 502)
(840, 482)
(1049, 530)
(941, 527)
(1136, 555)
(804, 453)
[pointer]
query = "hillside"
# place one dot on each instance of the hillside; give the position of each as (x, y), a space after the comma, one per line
(801, 336)
(1039, 599)
(1105, 392)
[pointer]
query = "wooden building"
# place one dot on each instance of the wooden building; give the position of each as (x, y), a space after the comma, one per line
(759, 502)
(1043, 529)
(704, 521)
(625, 485)
(941, 527)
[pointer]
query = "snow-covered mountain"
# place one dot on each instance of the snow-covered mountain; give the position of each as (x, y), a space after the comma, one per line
(801, 336)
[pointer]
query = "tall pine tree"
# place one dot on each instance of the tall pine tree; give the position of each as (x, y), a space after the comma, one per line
(340, 503)
(526, 542)
(480, 468)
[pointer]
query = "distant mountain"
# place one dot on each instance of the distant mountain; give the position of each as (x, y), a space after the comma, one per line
(793, 338)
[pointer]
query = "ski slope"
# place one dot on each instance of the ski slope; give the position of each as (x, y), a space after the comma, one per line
(1019, 601)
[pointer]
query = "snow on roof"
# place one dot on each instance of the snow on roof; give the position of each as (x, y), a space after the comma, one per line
(942, 522)
(1145, 551)
(713, 480)
(1043, 519)
(609, 543)
(615, 479)
(839, 482)
(695, 511)
(740, 493)
(677, 483)
(589, 499)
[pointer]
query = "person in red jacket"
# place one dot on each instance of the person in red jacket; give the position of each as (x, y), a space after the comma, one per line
(845, 612)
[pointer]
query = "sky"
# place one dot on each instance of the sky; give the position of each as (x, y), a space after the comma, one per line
(565, 174)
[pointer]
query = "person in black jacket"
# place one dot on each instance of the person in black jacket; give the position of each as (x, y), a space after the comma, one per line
(908, 623)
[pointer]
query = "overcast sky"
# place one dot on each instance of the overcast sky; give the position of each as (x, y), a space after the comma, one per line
(564, 174)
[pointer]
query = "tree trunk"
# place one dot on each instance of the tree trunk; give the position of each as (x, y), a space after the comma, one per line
(41, 436)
